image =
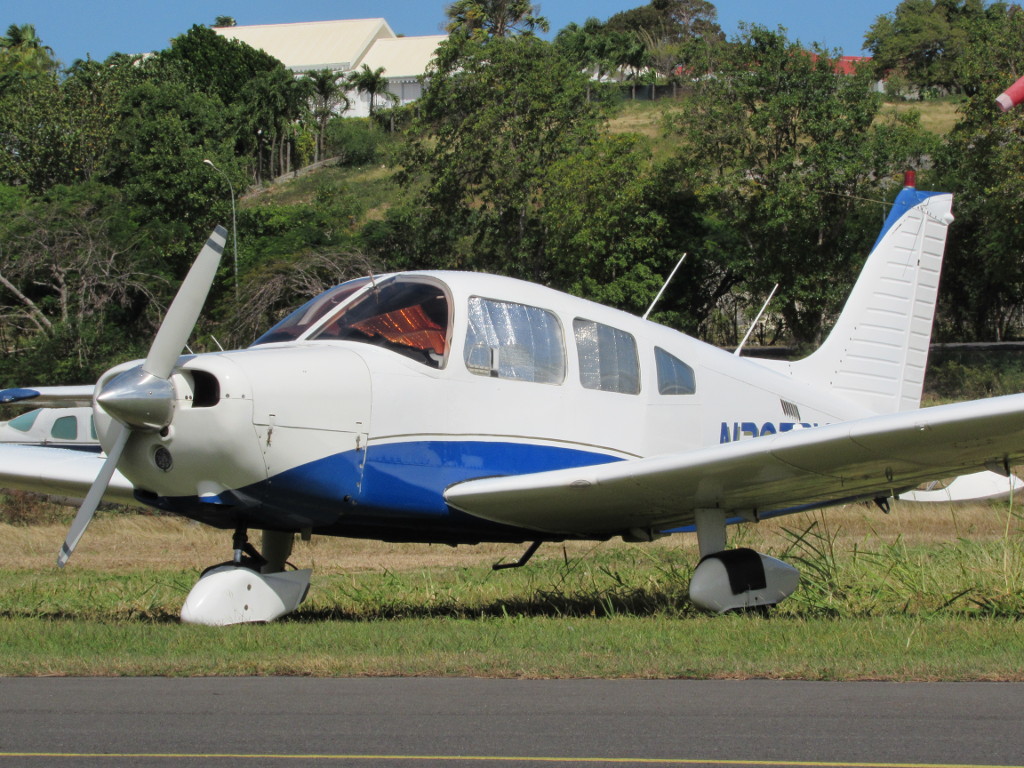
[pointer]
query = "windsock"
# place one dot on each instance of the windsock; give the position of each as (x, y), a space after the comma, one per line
(1012, 96)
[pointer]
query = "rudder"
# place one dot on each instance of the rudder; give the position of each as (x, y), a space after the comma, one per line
(877, 352)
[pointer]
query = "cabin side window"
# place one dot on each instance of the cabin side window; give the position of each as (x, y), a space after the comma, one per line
(608, 358)
(65, 428)
(406, 316)
(24, 422)
(514, 341)
(674, 376)
(310, 313)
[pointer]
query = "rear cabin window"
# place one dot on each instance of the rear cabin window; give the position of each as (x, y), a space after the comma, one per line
(514, 341)
(674, 376)
(608, 359)
(405, 316)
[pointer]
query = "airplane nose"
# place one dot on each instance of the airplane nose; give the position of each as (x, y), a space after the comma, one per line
(138, 399)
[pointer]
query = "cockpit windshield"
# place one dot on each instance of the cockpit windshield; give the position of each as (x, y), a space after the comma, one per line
(406, 315)
(310, 313)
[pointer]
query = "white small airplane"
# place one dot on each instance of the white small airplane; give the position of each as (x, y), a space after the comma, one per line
(459, 408)
(64, 427)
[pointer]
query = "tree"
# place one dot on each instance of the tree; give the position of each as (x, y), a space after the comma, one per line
(58, 131)
(604, 239)
(261, 99)
(225, 21)
(781, 150)
(982, 293)
(670, 21)
(482, 19)
(23, 57)
(663, 36)
(922, 39)
(327, 100)
(498, 115)
(156, 156)
(374, 83)
(592, 47)
(22, 42)
(76, 285)
(601, 50)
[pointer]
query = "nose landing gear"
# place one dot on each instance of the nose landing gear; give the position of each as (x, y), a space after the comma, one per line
(251, 587)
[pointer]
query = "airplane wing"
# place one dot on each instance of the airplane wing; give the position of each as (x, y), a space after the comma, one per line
(765, 476)
(58, 472)
(49, 397)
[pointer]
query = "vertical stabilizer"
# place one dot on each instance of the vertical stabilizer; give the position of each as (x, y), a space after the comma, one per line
(877, 351)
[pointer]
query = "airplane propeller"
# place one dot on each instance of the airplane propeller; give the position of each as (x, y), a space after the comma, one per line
(142, 398)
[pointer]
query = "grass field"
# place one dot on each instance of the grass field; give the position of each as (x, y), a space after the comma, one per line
(922, 594)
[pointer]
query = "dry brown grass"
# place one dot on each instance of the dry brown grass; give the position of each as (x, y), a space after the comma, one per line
(643, 118)
(938, 117)
(125, 542)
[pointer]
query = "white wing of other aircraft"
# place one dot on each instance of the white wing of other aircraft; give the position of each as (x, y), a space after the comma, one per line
(456, 408)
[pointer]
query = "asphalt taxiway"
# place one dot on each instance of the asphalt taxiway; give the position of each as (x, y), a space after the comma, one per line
(439, 722)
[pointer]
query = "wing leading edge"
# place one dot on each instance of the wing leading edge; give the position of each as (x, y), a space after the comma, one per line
(858, 459)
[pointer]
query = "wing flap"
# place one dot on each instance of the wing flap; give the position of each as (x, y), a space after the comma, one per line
(58, 472)
(864, 458)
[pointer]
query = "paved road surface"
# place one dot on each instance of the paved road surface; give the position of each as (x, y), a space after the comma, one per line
(462, 722)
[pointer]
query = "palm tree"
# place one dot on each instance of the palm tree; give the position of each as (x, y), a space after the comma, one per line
(328, 99)
(371, 82)
(29, 54)
(494, 18)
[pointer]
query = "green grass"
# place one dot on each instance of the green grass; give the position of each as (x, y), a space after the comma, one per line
(937, 116)
(891, 648)
(871, 606)
(372, 184)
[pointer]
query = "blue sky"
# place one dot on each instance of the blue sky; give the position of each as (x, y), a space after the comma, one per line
(74, 28)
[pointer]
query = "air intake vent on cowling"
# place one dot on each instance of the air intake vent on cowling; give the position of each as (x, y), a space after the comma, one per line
(205, 389)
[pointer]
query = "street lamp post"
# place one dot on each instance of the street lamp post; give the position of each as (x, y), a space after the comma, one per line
(234, 227)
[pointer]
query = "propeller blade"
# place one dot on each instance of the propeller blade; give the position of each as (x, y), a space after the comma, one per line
(184, 311)
(95, 495)
(170, 339)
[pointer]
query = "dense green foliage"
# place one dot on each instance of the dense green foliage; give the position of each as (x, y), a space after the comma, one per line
(924, 40)
(772, 168)
(783, 151)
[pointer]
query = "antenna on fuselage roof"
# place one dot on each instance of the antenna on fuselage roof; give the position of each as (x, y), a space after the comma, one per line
(753, 325)
(663, 287)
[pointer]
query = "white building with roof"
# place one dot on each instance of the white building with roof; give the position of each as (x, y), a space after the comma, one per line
(344, 46)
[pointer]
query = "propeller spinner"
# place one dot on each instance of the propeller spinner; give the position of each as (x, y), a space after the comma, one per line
(142, 398)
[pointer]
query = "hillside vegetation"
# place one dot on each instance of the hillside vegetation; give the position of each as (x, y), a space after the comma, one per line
(772, 169)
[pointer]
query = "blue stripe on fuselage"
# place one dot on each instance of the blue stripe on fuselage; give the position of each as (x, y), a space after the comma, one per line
(410, 477)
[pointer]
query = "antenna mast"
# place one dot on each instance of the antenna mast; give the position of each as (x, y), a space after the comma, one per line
(750, 330)
(663, 287)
